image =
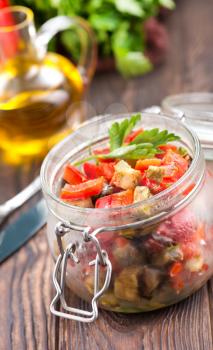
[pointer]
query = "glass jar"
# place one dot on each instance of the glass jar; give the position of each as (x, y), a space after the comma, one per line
(197, 109)
(136, 258)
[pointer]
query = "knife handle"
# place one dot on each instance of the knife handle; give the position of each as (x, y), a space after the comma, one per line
(18, 200)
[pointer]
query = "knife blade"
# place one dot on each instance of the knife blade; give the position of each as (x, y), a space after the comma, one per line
(13, 236)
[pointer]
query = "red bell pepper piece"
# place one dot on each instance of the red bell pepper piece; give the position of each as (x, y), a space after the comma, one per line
(107, 170)
(83, 190)
(73, 176)
(115, 200)
(133, 135)
(92, 171)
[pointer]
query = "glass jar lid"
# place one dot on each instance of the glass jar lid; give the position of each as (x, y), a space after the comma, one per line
(197, 111)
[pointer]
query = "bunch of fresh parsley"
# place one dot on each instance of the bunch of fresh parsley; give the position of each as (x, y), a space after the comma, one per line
(118, 25)
(144, 145)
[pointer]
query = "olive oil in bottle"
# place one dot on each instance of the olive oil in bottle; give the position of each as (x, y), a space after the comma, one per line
(35, 99)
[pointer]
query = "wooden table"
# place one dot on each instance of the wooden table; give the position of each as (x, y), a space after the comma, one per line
(25, 279)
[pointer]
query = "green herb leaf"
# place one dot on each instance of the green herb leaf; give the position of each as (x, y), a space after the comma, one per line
(118, 25)
(167, 3)
(155, 137)
(131, 124)
(145, 145)
(106, 21)
(131, 7)
(132, 63)
(131, 152)
(118, 131)
(114, 136)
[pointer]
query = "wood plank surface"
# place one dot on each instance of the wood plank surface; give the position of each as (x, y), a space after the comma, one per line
(25, 279)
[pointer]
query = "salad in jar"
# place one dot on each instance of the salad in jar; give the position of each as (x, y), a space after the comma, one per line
(157, 264)
(136, 165)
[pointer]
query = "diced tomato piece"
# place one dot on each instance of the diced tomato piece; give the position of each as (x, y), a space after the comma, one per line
(154, 186)
(170, 173)
(175, 269)
(73, 176)
(115, 200)
(133, 135)
(174, 158)
(92, 171)
(107, 170)
(143, 164)
(165, 148)
(84, 190)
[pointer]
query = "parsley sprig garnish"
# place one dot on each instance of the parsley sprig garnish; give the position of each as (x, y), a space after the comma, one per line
(119, 131)
(155, 137)
(145, 144)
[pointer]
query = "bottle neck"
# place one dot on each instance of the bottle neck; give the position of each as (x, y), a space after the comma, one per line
(18, 45)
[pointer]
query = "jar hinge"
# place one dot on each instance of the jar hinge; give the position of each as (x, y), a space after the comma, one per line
(60, 269)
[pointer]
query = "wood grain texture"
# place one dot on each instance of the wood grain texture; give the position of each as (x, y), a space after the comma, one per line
(25, 279)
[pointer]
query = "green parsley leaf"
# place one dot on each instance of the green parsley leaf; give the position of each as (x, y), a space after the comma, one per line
(131, 124)
(145, 145)
(167, 3)
(155, 137)
(131, 7)
(131, 151)
(118, 131)
(132, 63)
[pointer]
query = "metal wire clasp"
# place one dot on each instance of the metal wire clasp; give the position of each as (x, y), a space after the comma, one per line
(59, 274)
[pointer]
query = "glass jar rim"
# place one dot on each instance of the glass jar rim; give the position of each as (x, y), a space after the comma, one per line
(193, 97)
(171, 104)
(149, 201)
